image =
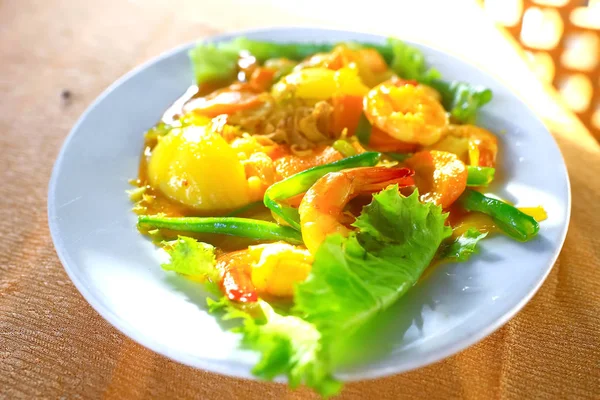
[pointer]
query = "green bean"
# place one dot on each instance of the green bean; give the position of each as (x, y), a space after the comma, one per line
(243, 227)
(302, 181)
(512, 221)
(480, 176)
(344, 147)
(399, 156)
(243, 209)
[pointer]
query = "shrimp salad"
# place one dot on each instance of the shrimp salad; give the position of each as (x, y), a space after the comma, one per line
(307, 187)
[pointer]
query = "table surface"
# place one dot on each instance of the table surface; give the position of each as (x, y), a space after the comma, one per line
(53, 344)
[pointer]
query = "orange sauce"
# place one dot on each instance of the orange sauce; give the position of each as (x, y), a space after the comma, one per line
(461, 221)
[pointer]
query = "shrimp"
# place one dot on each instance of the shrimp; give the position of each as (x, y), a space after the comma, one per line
(405, 111)
(472, 144)
(381, 141)
(266, 162)
(235, 269)
(291, 164)
(272, 269)
(322, 207)
(440, 176)
(234, 98)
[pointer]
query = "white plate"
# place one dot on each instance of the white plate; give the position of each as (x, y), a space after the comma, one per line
(117, 269)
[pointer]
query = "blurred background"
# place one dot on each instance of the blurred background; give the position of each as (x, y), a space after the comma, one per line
(561, 42)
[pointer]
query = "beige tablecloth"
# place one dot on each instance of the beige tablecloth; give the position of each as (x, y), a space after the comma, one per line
(54, 345)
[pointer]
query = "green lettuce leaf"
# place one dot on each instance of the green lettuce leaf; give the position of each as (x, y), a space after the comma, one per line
(355, 278)
(218, 62)
(462, 99)
(288, 345)
(212, 62)
(192, 258)
(352, 280)
(408, 62)
(462, 247)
